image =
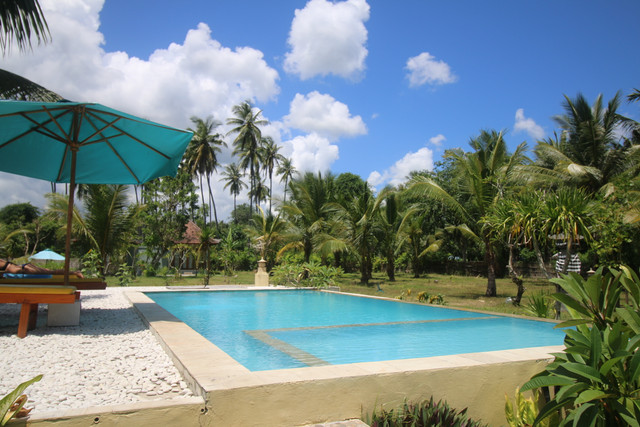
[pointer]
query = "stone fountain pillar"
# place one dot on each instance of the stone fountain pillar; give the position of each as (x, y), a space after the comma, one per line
(262, 277)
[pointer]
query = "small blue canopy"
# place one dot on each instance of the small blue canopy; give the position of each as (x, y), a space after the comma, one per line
(47, 254)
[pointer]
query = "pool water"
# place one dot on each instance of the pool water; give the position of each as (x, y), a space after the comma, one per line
(277, 329)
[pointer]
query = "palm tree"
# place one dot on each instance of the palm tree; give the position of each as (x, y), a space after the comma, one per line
(266, 232)
(486, 175)
(270, 160)
(307, 213)
(287, 172)
(259, 193)
(107, 222)
(13, 86)
(234, 182)
(20, 21)
(201, 157)
(360, 225)
(588, 153)
(392, 220)
(204, 251)
(247, 142)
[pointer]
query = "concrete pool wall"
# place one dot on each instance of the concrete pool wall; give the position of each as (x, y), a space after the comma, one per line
(235, 396)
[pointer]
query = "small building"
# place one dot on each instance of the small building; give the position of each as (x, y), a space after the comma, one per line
(185, 260)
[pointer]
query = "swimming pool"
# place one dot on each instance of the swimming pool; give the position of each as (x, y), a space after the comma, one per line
(266, 330)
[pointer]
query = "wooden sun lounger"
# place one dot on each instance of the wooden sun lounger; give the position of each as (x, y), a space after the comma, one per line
(32, 295)
(57, 280)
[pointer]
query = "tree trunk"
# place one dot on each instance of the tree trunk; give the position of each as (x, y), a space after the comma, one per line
(213, 202)
(204, 211)
(391, 268)
(490, 258)
(536, 248)
(364, 270)
(514, 277)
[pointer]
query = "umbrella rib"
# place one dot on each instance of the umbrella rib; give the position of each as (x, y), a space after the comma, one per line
(41, 128)
(125, 133)
(108, 142)
(126, 165)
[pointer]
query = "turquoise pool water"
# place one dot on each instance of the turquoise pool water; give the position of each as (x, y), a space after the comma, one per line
(265, 330)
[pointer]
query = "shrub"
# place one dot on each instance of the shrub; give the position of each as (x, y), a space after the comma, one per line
(539, 305)
(310, 274)
(124, 275)
(427, 298)
(596, 379)
(424, 414)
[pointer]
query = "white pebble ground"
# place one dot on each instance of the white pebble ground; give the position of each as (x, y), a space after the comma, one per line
(111, 358)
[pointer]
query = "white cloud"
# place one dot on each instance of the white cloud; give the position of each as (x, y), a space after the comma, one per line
(437, 140)
(528, 125)
(196, 77)
(424, 69)
(312, 153)
(328, 38)
(398, 173)
(322, 114)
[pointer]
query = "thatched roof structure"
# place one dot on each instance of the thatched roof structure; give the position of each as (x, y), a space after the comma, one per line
(191, 235)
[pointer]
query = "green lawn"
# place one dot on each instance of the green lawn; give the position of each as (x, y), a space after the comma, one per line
(458, 291)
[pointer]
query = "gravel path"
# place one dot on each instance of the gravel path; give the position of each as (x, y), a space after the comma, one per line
(110, 358)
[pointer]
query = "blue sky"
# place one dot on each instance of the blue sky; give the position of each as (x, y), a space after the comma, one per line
(377, 88)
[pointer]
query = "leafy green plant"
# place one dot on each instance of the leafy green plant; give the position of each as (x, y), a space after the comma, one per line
(124, 275)
(523, 412)
(91, 264)
(12, 403)
(539, 305)
(310, 274)
(424, 414)
(427, 298)
(596, 380)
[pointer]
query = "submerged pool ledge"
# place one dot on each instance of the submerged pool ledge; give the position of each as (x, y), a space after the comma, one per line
(235, 396)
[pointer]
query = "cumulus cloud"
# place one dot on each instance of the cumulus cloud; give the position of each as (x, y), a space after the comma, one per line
(328, 38)
(528, 125)
(197, 76)
(322, 114)
(399, 171)
(425, 69)
(312, 153)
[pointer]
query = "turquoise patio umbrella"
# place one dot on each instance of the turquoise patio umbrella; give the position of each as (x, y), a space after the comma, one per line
(47, 255)
(83, 143)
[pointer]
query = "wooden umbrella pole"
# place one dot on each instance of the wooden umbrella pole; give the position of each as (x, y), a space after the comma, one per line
(72, 188)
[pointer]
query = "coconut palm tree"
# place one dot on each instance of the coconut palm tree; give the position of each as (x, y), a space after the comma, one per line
(360, 226)
(287, 172)
(13, 86)
(21, 21)
(233, 181)
(266, 232)
(246, 125)
(107, 221)
(589, 152)
(307, 213)
(201, 157)
(270, 160)
(487, 174)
